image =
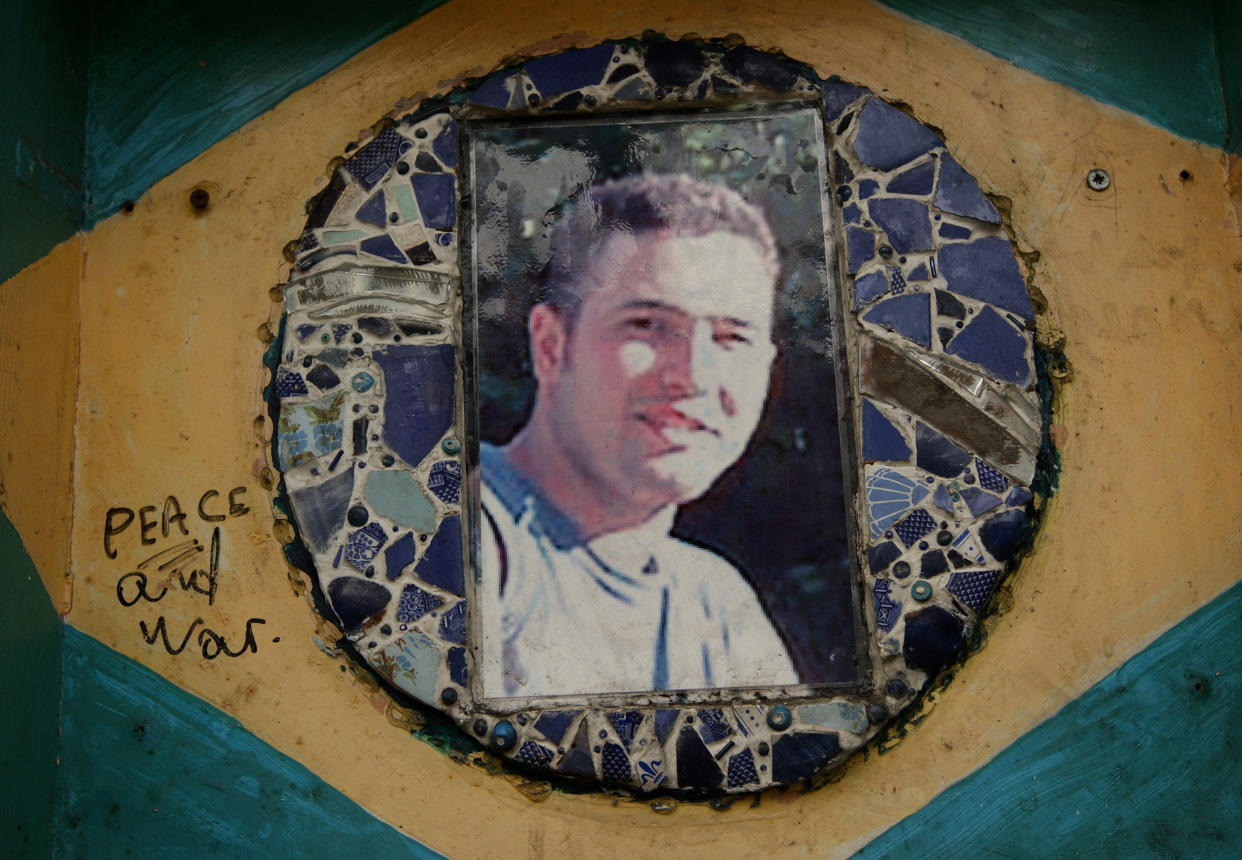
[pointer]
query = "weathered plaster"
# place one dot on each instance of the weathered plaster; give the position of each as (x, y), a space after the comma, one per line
(1139, 279)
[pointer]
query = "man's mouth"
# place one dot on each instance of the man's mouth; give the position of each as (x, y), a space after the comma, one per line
(665, 417)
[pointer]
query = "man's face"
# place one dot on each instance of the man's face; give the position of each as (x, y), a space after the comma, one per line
(657, 385)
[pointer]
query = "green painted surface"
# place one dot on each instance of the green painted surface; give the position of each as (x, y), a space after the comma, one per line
(168, 79)
(148, 770)
(1144, 764)
(42, 128)
(1228, 17)
(31, 639)
(1155, 58)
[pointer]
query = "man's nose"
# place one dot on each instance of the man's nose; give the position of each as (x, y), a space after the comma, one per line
(692, 368)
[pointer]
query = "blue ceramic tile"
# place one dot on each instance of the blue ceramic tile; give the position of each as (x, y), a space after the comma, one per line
(918, 273)
(673, 64)
(309, 430)
(322, 205)
(867, 188)
(914, 527)
(869, 287)
(748, 64)
(289, 384)
(887, 138)
(415, 603)
(379, 326)
(459, 673)
(614, 764)
(989, 478)
(907, 223)
(384, 248)
(360, 436)
(494, 92)
(987, 270)
(626, 724)
(569, 70)
(339, 330)
(374, 211)
(334, 357)
(973, 587)
(890, 495)
(896, 283)
(953, 231)
(936, 454)
(453, 624)
(860, 245)
(364, 544)
(395, 494)
(665, 722)
(1018, 496)
(712, 725)
(578, 761)
(1000, 533)
(881, 440)
(978, 501)
(741, 769)
(621, 71)
(427, 163)
(992, 343)
(839, 95)
(400, 555)
(306, 330)
(932, 563)
(695, 766)
(916, 180)
(948, 305)
(355, 599)
(534, 755)
(371, 162)
(445, 144)
(553, 724)
(853, 215)
(799, 755)
(420, 405)
(967, 547)
(445, 481)
(634, 89)
(323, 377)
(932, 639)
(362, 382)
(321, 509)
(307, 243)
(887, 610)
(909, 315)
(437, 200)
(942, 499)
(413, 660)
(441, 564)
(651, 773)
(959, 194)
(881, 556)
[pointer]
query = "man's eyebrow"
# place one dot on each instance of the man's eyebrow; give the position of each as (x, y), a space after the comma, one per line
(654, 305)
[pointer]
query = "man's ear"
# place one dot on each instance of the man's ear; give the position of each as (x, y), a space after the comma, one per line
(548, 341)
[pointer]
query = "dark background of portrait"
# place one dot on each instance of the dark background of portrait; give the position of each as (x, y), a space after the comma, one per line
(779, 513)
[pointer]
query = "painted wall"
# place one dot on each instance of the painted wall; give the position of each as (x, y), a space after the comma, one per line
(170, 309)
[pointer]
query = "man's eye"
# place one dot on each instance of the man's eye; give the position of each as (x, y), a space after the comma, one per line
(731, 339)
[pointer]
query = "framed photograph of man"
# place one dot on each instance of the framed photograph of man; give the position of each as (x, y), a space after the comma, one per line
(662, 501)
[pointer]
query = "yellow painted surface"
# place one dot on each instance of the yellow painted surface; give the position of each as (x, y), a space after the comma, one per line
(39, 358)
(1142, 280)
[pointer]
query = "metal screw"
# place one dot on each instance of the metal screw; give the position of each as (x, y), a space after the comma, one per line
(1098, 179)
(199, 198)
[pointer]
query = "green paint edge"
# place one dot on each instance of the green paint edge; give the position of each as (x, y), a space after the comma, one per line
(32, 642)
(42, 129)
(168, 79)
(148, 769)
(1144, 764)
(1154, 58)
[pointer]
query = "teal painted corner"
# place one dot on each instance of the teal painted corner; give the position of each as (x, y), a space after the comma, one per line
(31, 637)
(1144, 764)
(42, 128)
(148, 770)
(168, 79)
(1154, 58)
(1228, 18)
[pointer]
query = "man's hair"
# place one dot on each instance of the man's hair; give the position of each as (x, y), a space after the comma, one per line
(677, 204)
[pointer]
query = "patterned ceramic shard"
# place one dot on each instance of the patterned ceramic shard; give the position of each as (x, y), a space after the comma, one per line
(959, 194)
(412, 662)
(445, 481)
(890, 495)
(887, 610)
(887, 138)
(973, 588)
(415, 603)
(741, 770)
(986, 269)
(372, 161)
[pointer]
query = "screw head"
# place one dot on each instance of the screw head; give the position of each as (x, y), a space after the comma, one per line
(896, 688)
(1098, 179)
(901, 569)
(199, 198)
(448, 696)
